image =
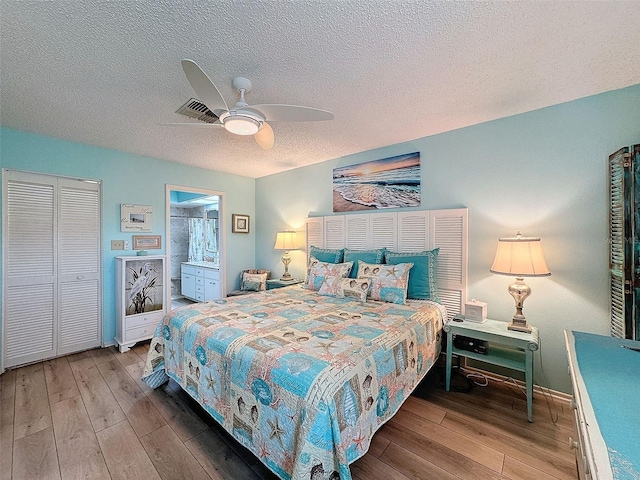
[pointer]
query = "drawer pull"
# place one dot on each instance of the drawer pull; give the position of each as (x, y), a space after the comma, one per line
(573, 445)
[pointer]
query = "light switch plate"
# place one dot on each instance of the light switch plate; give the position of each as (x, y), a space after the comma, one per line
(127, 245)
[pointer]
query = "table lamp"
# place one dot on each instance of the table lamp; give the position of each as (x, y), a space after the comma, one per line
(520, 257)
(285, 241)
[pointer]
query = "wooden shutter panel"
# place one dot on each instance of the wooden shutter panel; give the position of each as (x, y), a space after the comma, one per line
(315, 235)
(449, 232)
(413, 231)
(617, 235)
(384, 230)
(334, 232)
(357, 232)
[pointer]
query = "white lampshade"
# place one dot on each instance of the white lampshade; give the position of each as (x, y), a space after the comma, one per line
(285, 241)
(520, 257)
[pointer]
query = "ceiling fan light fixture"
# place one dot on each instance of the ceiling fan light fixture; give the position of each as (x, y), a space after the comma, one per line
(241, 125)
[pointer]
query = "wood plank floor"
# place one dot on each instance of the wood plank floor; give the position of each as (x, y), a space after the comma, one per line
(89, 416)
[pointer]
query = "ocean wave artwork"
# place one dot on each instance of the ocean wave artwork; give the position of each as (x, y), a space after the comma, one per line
(392, 182)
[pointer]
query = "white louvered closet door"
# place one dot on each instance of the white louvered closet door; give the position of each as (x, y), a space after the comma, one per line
(79, 296)
(29, 269)
(52, 302)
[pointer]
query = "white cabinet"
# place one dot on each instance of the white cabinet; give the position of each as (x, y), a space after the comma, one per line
(201, 283)
(188, 278)
(140, 296)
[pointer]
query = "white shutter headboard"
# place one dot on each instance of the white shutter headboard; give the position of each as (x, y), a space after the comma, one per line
(405, 232)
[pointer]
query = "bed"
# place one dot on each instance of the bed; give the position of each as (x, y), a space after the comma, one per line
(301, 377)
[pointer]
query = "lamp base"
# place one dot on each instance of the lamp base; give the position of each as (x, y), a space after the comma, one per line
(519, 325)
(286, 259)
(519, 291)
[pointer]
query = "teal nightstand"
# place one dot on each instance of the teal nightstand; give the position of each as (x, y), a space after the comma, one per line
(277, 283)
(507, 348)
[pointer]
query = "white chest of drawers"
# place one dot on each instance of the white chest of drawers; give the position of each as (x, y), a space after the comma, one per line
(200, 283)
(140, 297)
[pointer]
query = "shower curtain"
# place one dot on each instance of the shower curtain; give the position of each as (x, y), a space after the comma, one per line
(196, 239)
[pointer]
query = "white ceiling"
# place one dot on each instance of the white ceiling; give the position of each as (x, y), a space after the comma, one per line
(106, 73)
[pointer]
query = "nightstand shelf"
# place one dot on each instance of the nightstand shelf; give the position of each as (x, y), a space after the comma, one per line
(497, 355)
(506, 348)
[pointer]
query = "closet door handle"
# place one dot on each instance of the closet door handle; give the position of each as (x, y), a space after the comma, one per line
(80, 277)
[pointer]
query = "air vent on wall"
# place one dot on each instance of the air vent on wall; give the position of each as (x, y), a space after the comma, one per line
(198, 110)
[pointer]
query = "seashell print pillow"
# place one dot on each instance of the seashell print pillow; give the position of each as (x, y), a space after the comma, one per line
(388, 282)
(346, 288)
(320, 270)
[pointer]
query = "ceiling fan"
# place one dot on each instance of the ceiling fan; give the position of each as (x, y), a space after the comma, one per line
(243, 119)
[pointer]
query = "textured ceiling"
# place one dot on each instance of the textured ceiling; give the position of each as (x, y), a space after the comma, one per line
(108, 73)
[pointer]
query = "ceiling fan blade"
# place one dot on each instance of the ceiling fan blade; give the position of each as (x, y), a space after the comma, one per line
(190, 124)
(291, 113)
(204, 87)
(264, 137)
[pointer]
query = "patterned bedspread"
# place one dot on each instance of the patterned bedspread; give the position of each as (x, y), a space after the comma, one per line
(302, 380)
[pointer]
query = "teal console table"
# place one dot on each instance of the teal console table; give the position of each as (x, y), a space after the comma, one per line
(507, 348)
(605, 376)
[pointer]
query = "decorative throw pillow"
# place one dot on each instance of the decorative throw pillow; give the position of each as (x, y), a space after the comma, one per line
(251, 286)
(248, 278)
(345, 288)
(388, 282)
(320, 270)
(422, 277)
(330, 286)
(368, 256)
(356, 288)
(326, 254)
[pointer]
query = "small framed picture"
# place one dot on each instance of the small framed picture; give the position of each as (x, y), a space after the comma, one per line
(144, 242)
(240, 223)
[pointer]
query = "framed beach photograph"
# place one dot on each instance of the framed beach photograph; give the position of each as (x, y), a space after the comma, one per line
(136, 218)
(239, 223)
(144, 242)
(392, 182)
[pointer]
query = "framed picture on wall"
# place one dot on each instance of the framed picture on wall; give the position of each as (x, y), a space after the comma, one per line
(143, 242)
(136, 218)
(239, 223)
(392, 182)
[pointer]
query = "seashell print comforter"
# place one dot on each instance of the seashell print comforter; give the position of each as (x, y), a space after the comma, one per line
(301, 380)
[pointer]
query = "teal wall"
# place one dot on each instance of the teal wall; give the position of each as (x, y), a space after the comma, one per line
(133, 179)
(542, 172)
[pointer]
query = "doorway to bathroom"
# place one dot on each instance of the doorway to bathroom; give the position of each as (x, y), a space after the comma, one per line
(195, 235)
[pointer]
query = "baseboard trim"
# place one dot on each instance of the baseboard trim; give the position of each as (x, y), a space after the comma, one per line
(556, 395)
